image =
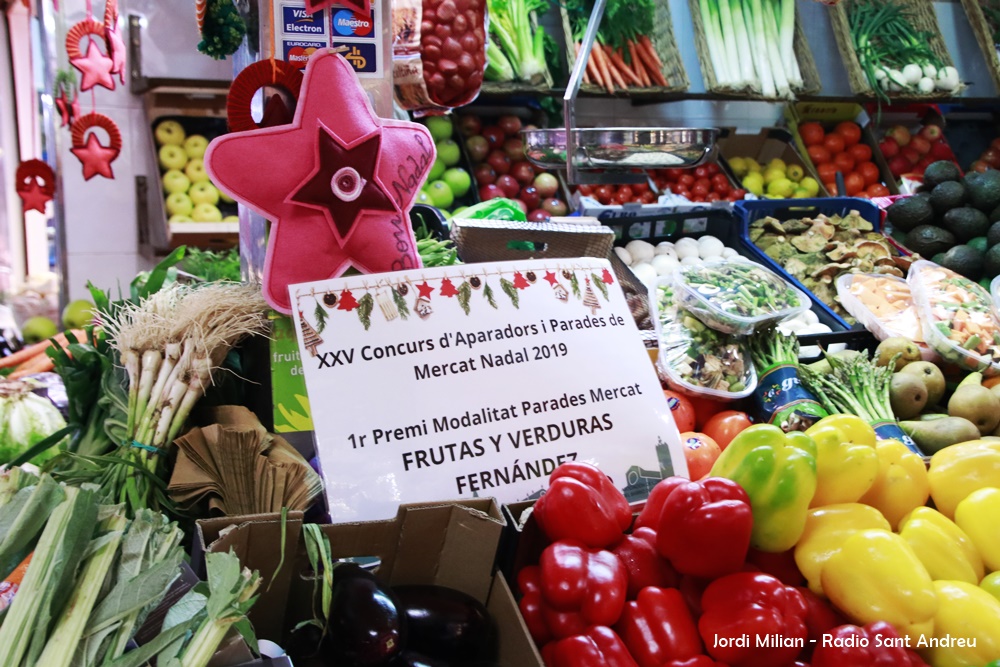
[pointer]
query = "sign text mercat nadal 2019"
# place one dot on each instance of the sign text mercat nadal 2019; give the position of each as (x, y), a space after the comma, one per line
(470, 340)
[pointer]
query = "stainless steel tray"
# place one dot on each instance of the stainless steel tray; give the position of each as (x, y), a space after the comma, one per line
(619, 148)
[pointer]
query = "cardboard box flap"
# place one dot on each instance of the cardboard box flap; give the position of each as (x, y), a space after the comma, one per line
(516, 648)
(504, 240)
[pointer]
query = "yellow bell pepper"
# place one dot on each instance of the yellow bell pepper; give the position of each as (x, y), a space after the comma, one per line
(944, 548)
(966, 615)
(991, 584)
(826, 530)
(959, 470)
(875, 576)
(846, 462)
(901, 484)
(978, 516)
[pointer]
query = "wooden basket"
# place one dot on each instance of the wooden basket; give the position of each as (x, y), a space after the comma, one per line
(807, 65)
(981, 27)
(662, 36)
(923, 19)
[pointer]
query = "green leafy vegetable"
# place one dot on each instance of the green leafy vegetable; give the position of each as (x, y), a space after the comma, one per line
(515, 27)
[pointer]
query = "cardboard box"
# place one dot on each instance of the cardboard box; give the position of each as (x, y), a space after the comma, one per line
(449, 543)
(766, 145)
(913, 117)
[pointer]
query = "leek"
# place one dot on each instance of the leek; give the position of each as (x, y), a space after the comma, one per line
(498, 68)
(512, 22)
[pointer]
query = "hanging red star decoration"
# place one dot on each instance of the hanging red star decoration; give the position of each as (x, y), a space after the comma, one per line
(551, 278)
(95, 157)
(263, 73)
(95, 67)
(35, 184)
(347, 301)
(362, 218)
(425, 290)
(113, 39)
(519, 281)
(607, 278)
(276, 112)
(447, 288)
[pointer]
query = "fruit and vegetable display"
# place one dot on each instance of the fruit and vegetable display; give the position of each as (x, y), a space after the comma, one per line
(815, 251)
(190, 195)
(829, 555)
(910, 153)
(951, 220)
(989, 158)
(516, 50)
(449, 184)
(707, 183)
(896, 57)
(648, 261)
(843, 150)
(775, 179)
(617, 195)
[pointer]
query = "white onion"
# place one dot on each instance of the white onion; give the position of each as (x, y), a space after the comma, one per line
(641, 251)
(624, 255)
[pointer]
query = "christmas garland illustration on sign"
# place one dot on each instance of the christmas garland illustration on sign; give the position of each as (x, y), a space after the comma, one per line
(391, 297)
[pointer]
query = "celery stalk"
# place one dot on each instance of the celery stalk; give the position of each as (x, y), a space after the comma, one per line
(498, 68)
(520, 39)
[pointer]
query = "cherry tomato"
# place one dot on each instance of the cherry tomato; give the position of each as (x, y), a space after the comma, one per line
(647, 197)
(697, 198)
(618, 199)
(726, 425)
(860, 152)
(701, 172)
(625, 192)
(700, 452)
(686, 179)
(827, 172)
(681, 190)
(704, 180)
(681, 410)
(819, 155)
(739, 193)
(834, 143)
(720, 180)
(639, 188)
(732, 198)
(700, 189)
(868, 171)
(831, 187)
(673, 174)
(849, 132)
(877, 190)
(712, 196)
(812, 133)
(854, 184)
(604, 193)
(723, 189)
(585, 190)
(712, 168)
(845, 163)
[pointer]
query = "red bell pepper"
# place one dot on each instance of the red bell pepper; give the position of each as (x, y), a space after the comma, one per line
(780, 565)
(821, 617)
(657, 627)
(692, 588)
(697, 661)
(583, 504)
(858, 647)
(649, 517)
(591, 582)
(545, 623)
(743, 610)
(704, 527)
(643, 564)
(598, 647)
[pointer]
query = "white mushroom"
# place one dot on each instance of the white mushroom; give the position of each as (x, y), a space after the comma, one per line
(641, 251)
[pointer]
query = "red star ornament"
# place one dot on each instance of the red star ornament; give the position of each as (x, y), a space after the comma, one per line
(96, 158)
(338, 185)
(33, 198)
(551, 278)
(425, 290)
(95, 68)
(359, 6)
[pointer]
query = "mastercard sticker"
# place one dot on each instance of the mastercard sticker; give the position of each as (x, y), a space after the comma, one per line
(352, 24)
(298, 51)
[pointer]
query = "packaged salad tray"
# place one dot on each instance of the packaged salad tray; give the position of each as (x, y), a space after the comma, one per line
(885, 306)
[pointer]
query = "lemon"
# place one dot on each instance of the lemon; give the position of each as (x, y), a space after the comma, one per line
(739, 166)
(772, 175)
(801, 193)
(810, 185)
(795, 172)
(752, 165)
(781, 187)
(777, 163)
(754, 182)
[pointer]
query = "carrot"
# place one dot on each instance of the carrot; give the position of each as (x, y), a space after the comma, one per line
(22, 355)
(616, 74)
(649, 59)
(637, 64)
(598, 53)
(624, 68)
(587, 69)
(646, 42)
(38, 364)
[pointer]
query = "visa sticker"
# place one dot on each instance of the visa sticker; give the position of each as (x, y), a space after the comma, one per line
(361, 56)
(298, 22)
(352, 24)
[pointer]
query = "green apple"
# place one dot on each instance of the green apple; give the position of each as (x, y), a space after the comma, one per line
(458, 210)
(38, 328)
(179, 218)
(231, 218)
(449, 152)
(195, 146)
(458, 180)
(437, 169)
(440, 127)
(441, 194)
(195, 170)
(203, 192)
(175, 181)
(78, 314)
(424, 198)
(178, 203)
(172, 157)
(206, 213)
(169, 133)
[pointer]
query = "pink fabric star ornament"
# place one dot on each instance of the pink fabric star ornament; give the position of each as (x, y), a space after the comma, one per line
(338, 184)
(34, 198)
(95, 68)
(96, 158)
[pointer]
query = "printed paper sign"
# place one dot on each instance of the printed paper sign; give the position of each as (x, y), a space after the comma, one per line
(478, 380)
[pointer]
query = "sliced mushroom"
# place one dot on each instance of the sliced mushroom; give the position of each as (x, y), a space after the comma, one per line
(755, 233)
(811, 241)
(772, 225)
(885, 261)
(904, 262)
(796, 267)
(847, 235)
(829, 270)
(840, 252)
(795, 226)
(824, 228)
(889, 270)
(871, 250)
(865, 265)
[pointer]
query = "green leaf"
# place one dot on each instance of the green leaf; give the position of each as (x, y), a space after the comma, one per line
(511, 291)
(404, 310)
(488, 294)
(464, 294)
(154, 283)
(320, 314)
(600, 285)
(223, 579)
(133, 594)
(22, 520)
(188, 608)
(574, 286)
(365, 305)
(142, 655)
(245, 628)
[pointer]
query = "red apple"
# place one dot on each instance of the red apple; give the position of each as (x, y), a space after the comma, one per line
(899, 134)
(924, 163)
(556, 207)
(490, 191)
(495, 136)
(470, 125)
(478, 148)
(899, 165)
(529, 195)
(932, 133)
(889, 148)
(509, 185)
(539, 215)
(523, 172)
(979, 166)
(991, 156)
(522, 206)
(941, 151)
(920, 145)
(911, 155)
(510, 125)
(485, 175)
(547, 185)
(995, 143)
(499, 161)
(514, 148)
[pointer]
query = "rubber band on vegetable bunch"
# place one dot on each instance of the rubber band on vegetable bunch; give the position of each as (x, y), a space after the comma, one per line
(780, 396)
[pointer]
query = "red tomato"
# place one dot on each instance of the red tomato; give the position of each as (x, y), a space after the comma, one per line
(704, 409)
(726, 425)
(673, 174)
(712, 168)
(720, 180)
(618, 199)
(697, 198)
(681, 410)
(854, 184)
(877, 190)
(739, 193)
(704, 180)
(712, 196)
(700, 452)
(701, 172)
(868, 171)
(849, 132)
(700, 189)
(681, 190)
(625, 192)
(831, 187)
(639, 188)
(819, 155)
(722, 188)
(845, 163)
(686, 179)
(585, 190)
(827, 172)
(834, 143)
(647, 197)
(604, 193)
(732, 198)
(812, 133)
(860, 152)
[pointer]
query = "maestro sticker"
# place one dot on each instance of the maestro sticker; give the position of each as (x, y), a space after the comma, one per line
(297, 22)
(352, 24)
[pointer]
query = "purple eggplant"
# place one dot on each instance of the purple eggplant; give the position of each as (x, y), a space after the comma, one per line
(366, 626)
(411, 659)
(446, 624)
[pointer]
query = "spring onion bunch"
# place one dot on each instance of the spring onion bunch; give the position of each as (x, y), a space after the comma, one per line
(894, 55)
(751, 45)
(519, 48)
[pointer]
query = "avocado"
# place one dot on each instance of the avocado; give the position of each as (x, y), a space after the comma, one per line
(966, 223)
(993, 236)
(909, 212)
(938, 258)
(947, 196)
(983, 189)
(991, 265)
(942, 171)
(929, 240)
(964, 260)
(995, 215)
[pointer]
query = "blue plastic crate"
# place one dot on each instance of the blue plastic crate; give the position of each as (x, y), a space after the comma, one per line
(789, 209)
